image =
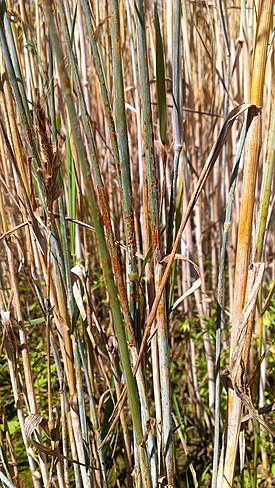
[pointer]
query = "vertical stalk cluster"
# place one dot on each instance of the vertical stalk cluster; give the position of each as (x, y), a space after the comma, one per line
(113, 118)
(251, 158)
(105, 258)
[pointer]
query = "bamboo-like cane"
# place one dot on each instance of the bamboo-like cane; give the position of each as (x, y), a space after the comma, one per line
(252, 151)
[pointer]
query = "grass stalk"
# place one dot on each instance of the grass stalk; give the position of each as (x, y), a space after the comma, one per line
(147, 125)
(94, 415)
(220, 305)
(95, 303)
(260, 236)
(6, 482)
(152, 188)
(105, 259)
(124, 158)
(176, 74)
(252, 151)
(98, 179)
(212, 158)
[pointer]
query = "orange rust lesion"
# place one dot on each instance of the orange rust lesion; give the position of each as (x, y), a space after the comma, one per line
(155, 237)
(131, 232)
(115, 261)
(102, 204)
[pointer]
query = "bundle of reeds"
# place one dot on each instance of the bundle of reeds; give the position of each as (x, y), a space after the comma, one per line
(137, 275)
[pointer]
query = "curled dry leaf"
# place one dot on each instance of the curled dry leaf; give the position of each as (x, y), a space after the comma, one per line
(78, 274)
(112, 344)
(195, 285)
(73, 403)
(79, 271)
(33, 422)
(99, 27)
(5, 316)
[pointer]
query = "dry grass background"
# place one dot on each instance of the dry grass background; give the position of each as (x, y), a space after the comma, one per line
(130, 216)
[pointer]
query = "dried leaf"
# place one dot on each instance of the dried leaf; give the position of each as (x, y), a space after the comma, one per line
(247, 402)
(255, 275)
(252, 410)
(98, 28)
(189, 292)
(79, 271)
(212, 158)
(33, 422)
(5, 316)
(195, 285)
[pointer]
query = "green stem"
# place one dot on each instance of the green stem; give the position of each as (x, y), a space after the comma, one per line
(266, 189)
(147, 126)
(115, 258)
(105, 257)
(94, 414)
(176, 75)
(123, 149)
